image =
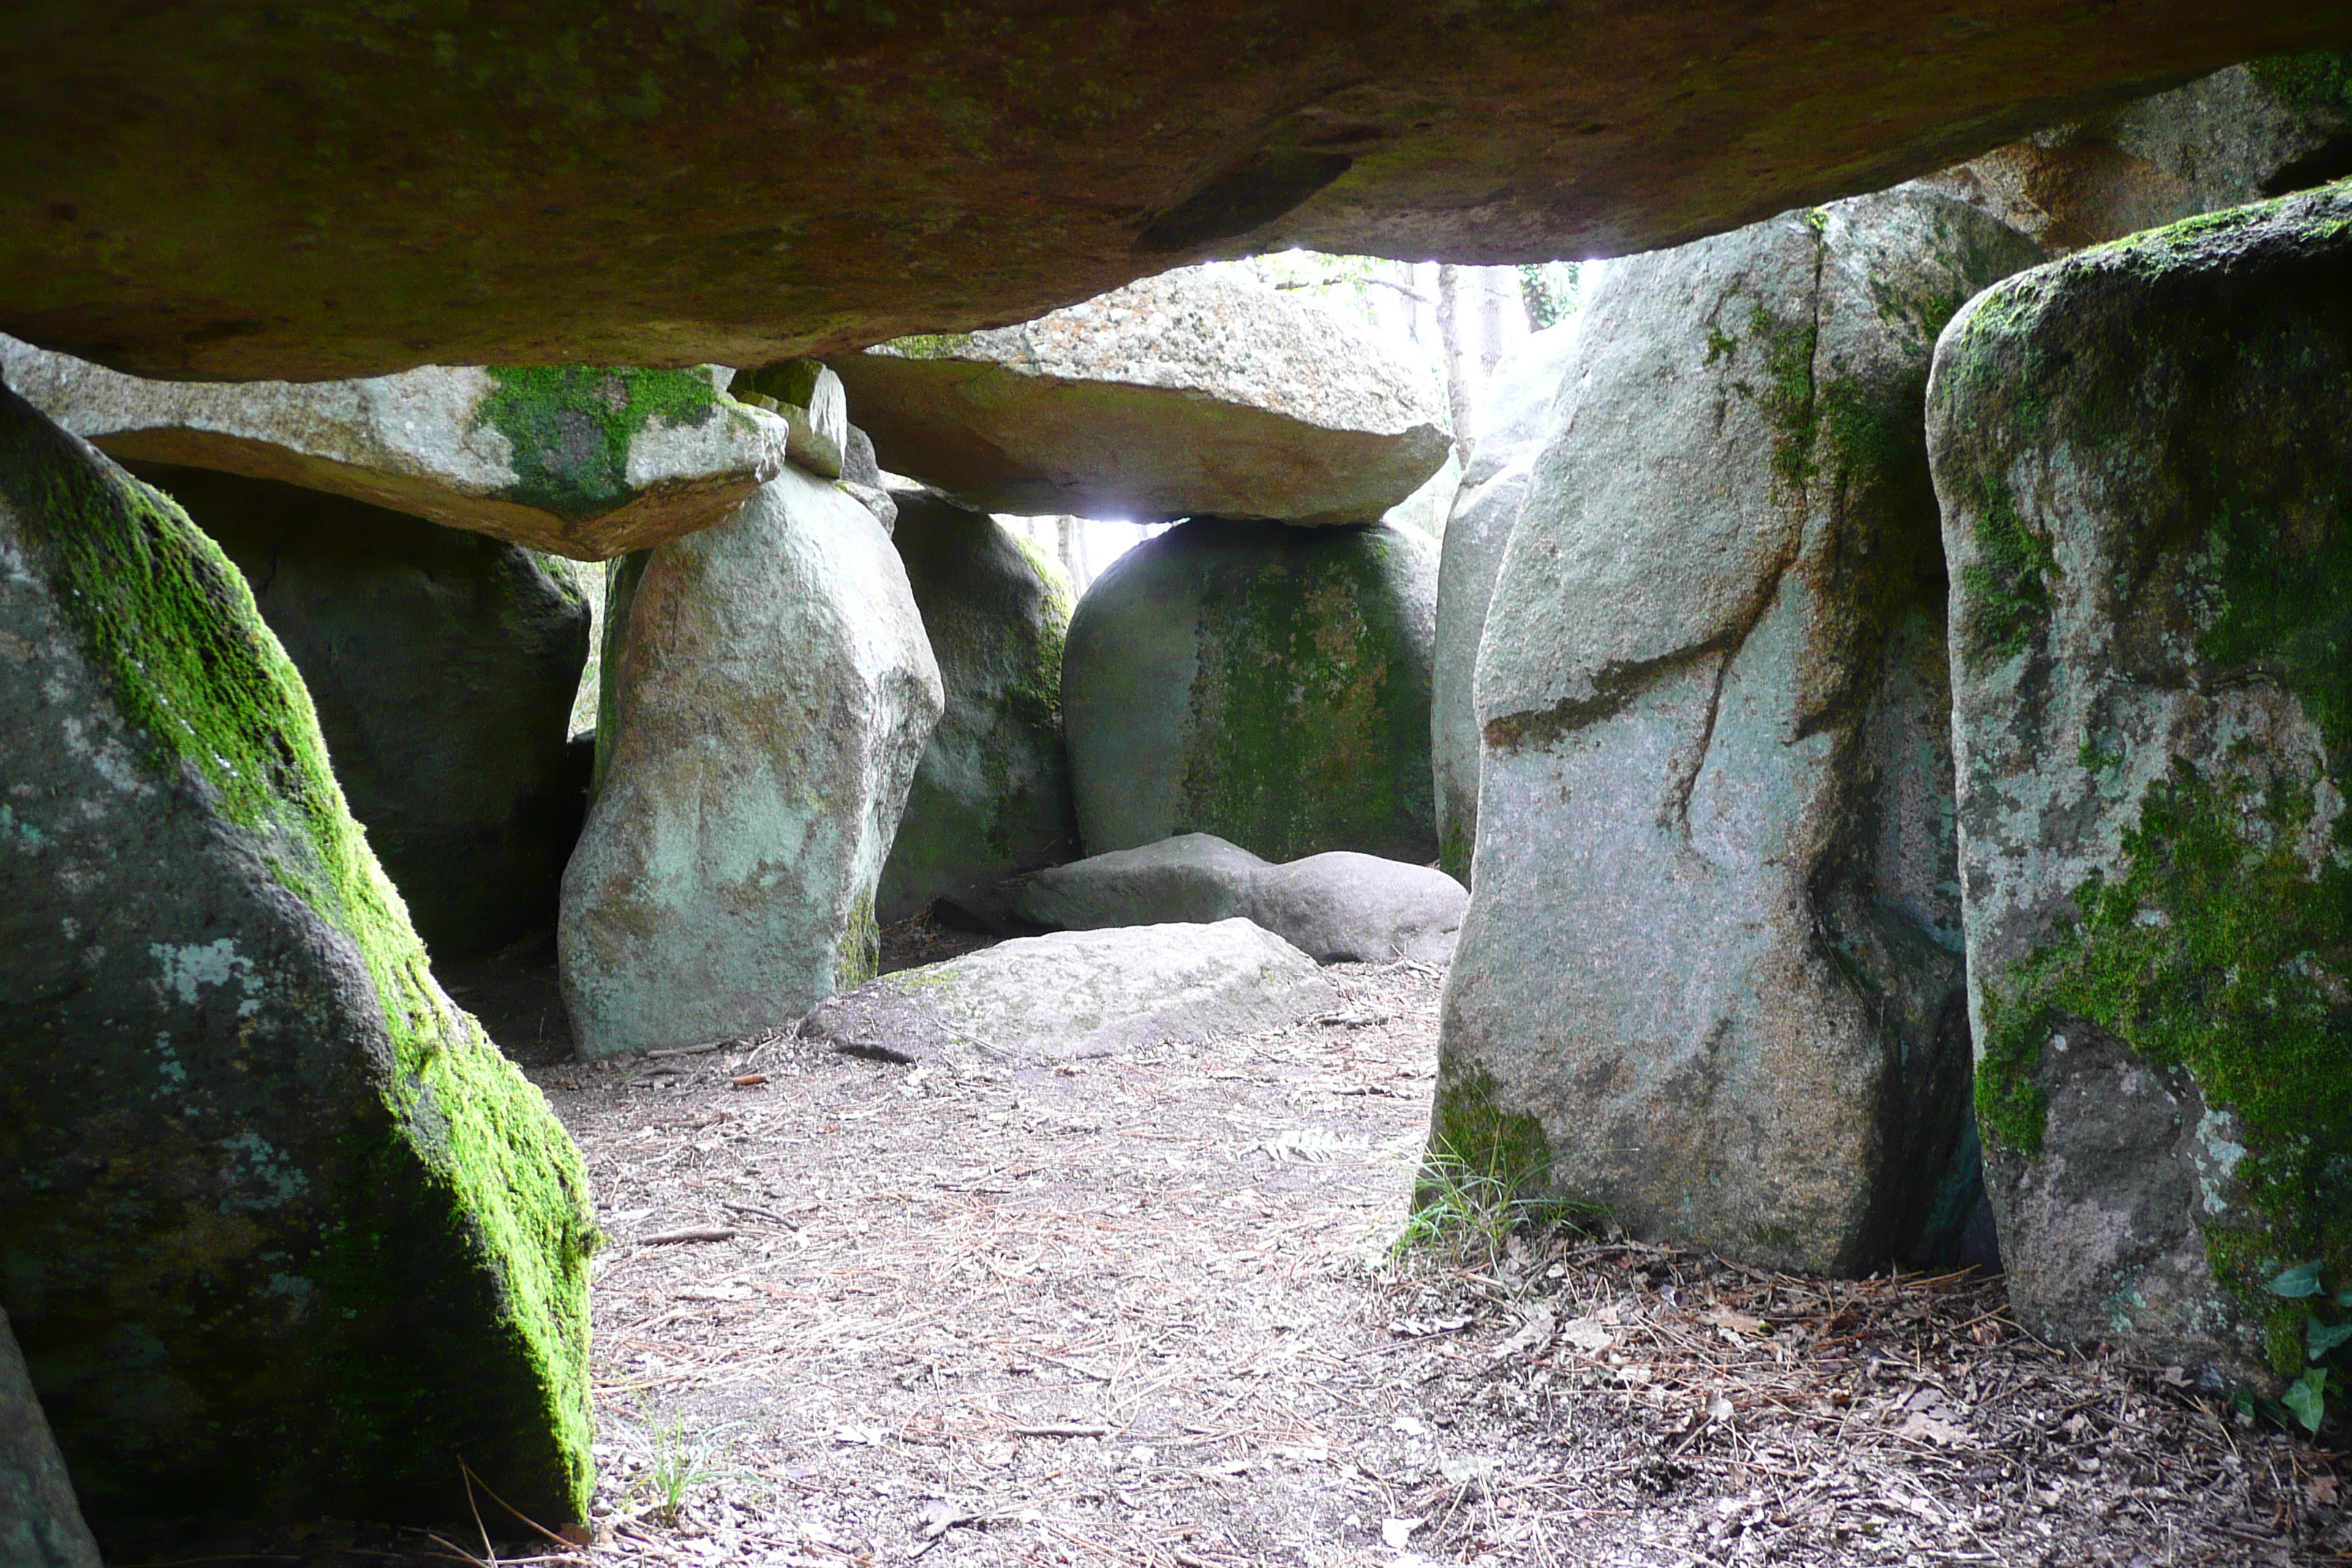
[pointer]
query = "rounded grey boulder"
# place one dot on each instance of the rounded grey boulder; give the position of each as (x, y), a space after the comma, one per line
(1264, 683)
(1337, 907)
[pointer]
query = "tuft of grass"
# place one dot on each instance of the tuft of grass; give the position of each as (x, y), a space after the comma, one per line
(679, 1461)
(1469, 1205)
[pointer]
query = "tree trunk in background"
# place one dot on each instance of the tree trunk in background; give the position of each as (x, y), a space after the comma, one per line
(1066, 546)
(1457, 333)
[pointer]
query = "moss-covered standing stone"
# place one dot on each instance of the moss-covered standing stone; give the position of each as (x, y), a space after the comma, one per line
(442, 665)
(1265, 683)
(282, 1235)
(2145, 458)
(1709, 980)
(992, 794)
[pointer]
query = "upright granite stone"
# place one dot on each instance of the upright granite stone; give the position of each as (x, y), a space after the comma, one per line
(41, 1524)
(992, 794)
(2145, 458)
(282, 1234)
(768, 694)
(581, 460)
(442, 667)
(1484, 511)
(1200, 393)
(1265, 683)
(1710, 978)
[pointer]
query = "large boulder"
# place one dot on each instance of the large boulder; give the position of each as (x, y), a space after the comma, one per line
(1070, 994)
(2262, 129)
(768, 694)
(1337, 907)
(577, 460)
(282, 1234)
(41, 1524)
(337, 191)
(1265, 683)
(442, 666)
(1709, 979)
(1201, 392)
(2144, 456)
(992, 794)
(1485, 511)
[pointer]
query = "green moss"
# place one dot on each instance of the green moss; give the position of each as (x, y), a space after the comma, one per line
(2308, 83)
(861, 946)
(1468, 1125)
(1310, 726)
(1788, 397)
(2007, 586)
(2216, 949)
(1456, 846)
(570, 426)
(470, 1169)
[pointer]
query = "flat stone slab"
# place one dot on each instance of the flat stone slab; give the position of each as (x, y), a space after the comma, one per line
(1337, 907)
(576, 460)
(1195, 393)
(1070, 994)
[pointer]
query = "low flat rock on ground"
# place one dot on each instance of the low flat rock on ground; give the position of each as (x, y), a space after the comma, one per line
(1071, 995)
(578, 460)
(1197, 392)
(1337, 907)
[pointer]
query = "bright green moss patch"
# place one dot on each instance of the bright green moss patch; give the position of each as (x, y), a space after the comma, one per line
(2219, 949)
(929, 345)
(1470, 1130)
(2307, 83)
(571, 426)
(861, 946)
(2008, 583)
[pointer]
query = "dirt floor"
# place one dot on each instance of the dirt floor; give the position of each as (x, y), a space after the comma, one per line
(1145, 1312)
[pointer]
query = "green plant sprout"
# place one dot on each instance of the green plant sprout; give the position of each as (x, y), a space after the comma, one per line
(1473, 1206)
(677, 1460)
(2308, 1396)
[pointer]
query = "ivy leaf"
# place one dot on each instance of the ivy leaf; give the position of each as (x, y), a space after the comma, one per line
(2325, 1337)
(2299, 1281)
(2307, 1397)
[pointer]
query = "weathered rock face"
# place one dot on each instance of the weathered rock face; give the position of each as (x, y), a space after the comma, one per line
(1069, 994)
(600, 187)
(442, 666)
(1485, 510)
(2145, 458)
(992, 794)
(40, 1522)
(769, 695)
(1197, 392)
(1338, 907)
(1264, 683)
(1709, 978)
(282, 1234)
(2257, 130)
(575, 460)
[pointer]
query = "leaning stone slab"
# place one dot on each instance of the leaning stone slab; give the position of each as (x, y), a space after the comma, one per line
(992, 795)
(769, 693)
(1197, 392)
(573, 459)
(1484, 511)
(1338, 907)
(2144, 456)
(1709, 978)
(1069, 994)
(282, 1234)
(443, 666)
(40, 1521)
(1266, 684)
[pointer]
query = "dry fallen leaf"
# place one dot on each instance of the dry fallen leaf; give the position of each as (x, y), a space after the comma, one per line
(1395, 1533)
(1587, 1335)
(1533, 1334)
